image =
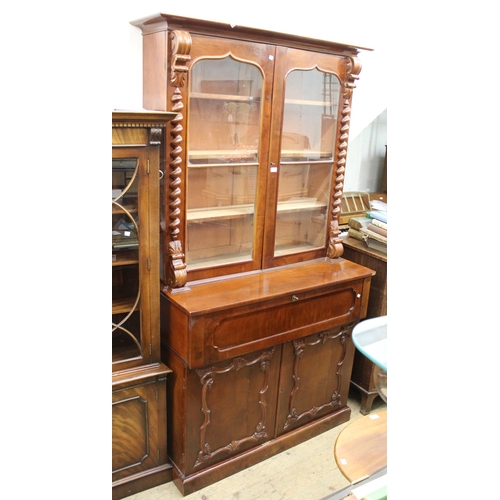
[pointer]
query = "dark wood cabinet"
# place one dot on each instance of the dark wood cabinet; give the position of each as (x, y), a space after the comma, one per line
(257, 302)
(363, 368)
(258, 359)
(139, 431)
(139, 447)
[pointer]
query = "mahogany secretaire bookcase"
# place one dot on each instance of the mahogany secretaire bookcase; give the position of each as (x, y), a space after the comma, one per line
(257, 304)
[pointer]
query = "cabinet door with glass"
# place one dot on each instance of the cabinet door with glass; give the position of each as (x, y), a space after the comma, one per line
(262, 127)
(305, 126)
(227, 146)
(135, 290)
(257, 150)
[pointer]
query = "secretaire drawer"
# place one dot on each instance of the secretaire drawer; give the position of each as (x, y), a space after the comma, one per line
(208, 326)
(235, 332)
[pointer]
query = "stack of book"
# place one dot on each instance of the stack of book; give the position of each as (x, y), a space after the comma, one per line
(372, 229)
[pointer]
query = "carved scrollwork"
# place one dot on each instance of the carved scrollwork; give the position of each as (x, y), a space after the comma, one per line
(207, 380)
(300, 347)
(180, 43)
(177, 270)
(353, 68)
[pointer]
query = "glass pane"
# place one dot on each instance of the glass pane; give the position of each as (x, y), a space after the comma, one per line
(308, 141)
(125, 261)
(223, 145)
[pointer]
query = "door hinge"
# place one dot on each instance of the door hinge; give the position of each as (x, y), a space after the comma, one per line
(147, 168)
(157, 397)
(149, 264)
(150, 350)
(158, 454)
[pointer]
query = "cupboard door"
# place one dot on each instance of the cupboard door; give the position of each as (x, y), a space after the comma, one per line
(139, 431)
(135, 257)
(227, 152)
(315, 376)
(231, 407)
(305, 118)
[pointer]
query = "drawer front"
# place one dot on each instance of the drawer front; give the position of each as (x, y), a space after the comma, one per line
(239, 331)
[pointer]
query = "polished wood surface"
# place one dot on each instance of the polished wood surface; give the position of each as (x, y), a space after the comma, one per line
(358, 252)
(258, 359)
(139, 399)
(163, 21)
(183, 42)
(269, 284)
(260, 347)
(363, 369)
(139, 434)
(361, 448)
(209, 322)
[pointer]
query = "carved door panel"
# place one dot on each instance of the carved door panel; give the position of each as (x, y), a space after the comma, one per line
(139, 442)
(315, 376)
(231, 406)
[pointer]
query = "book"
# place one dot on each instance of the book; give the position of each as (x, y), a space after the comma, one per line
(359, 222)
(379, 223)
(372, 234)
(355, 233)
(377, 214)
(377, 229)
(375, 244)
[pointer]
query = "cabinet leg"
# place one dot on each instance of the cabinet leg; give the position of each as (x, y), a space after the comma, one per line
(366, 403)
(367, 398)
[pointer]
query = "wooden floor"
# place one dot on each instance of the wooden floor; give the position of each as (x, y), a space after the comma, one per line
(306, 472)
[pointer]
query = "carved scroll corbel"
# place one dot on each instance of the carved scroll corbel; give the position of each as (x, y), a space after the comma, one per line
(353, 68)
(180, 42)
(155, 136)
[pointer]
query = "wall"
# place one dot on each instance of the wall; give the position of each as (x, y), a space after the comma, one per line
(365, 157)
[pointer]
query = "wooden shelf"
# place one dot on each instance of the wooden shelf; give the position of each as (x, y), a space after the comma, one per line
(123, 305)
(117, 210)
(306, 155)
(224, 97)
(230, 97)
(300, 205)
(222, 154)
(308, 102)
(235, 211)
(219, 213)
(124, 262)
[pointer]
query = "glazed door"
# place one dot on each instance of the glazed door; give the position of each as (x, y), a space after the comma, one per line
(230, 85)
(302, 155)
(135, 257)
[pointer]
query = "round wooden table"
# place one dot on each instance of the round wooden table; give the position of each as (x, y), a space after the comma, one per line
(361, 447)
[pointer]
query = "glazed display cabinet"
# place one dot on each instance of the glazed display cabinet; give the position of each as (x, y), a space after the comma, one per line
(139, 447)
(257, 304)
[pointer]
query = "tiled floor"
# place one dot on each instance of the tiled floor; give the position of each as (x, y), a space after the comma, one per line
(305, 472)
